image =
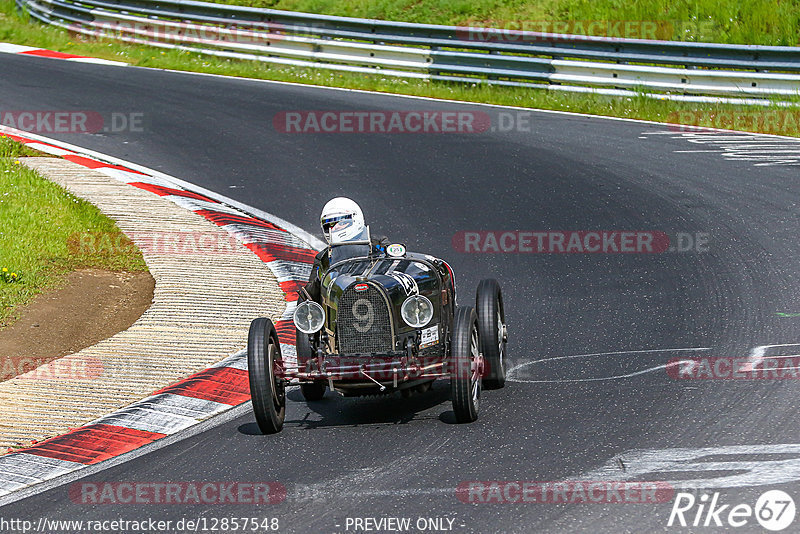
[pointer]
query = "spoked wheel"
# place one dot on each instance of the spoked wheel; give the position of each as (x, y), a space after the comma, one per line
(267, 390)
(493, 333)
(467, 365)
(312, 391)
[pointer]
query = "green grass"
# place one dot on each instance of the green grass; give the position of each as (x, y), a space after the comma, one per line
(17, 29)
(11, 149)
(767, 22)
(40, 234)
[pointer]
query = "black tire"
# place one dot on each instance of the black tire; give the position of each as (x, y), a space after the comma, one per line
(312, 391)
(465, 380)
(492, 332)
(267, 391)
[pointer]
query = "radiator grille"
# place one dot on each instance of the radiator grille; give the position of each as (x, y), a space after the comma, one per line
(363, 322)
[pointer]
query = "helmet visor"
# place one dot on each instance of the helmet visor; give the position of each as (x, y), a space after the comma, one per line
(329, 222)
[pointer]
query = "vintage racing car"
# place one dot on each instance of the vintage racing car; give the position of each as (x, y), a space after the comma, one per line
(385, 320)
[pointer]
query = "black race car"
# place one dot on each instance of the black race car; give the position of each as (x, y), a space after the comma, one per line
(382, 320)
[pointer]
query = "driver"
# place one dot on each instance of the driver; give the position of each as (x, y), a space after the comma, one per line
(342, 224)
(342, 221)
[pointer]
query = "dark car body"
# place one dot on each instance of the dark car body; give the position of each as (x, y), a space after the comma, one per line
(375, 320)
(365, 346)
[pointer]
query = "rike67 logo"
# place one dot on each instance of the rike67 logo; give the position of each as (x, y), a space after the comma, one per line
(774, 510)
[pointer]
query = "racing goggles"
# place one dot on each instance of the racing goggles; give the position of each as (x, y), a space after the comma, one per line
(329, 222)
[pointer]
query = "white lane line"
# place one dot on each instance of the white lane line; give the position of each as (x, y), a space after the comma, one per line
(516, 368)
(97, 61)
(732, 146)
(758, 355)
(572, 356)
(614, 377)
(725, 471)
(47, 149)
(721, 139)
(10, 48)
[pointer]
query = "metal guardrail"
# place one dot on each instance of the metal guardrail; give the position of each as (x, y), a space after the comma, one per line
(662, 69)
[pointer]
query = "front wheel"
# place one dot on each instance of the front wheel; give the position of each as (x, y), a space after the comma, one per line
(267, 390)
(492, 331)
(466, 365)
(312, 391)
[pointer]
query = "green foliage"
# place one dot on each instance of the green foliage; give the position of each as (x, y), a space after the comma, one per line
(39, 224)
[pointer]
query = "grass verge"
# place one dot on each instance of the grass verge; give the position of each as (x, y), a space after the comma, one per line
(41, 225)
(17, 28)
(766, 22)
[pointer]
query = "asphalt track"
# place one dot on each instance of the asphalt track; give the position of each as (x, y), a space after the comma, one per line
(558, 419)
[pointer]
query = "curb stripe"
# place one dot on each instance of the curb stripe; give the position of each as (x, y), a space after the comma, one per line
(165, 413)
(286, 271)
(270, 252)
(43, 52)
(128, 177)
(285, 329)
(193, 399)
(47, 149)
(237, 361)
(223, 219)
(21, 469)
(163, 191)
(10, 48)
(94, 443)
(94, 164)
(225, 385)
(17, 138)
(291, 287)
(252, 234)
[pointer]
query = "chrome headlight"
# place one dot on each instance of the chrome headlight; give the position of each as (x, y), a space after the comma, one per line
(417, 311)
(309, 317)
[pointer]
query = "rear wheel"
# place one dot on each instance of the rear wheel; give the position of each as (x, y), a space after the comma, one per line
(466, 365)
(267, 390)
(492, 331)
(312, 391)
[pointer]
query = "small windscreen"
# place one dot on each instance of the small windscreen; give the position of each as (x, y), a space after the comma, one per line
(343, 252)
(361, 238)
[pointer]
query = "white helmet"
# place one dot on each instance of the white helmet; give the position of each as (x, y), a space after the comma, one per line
(342, 221)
